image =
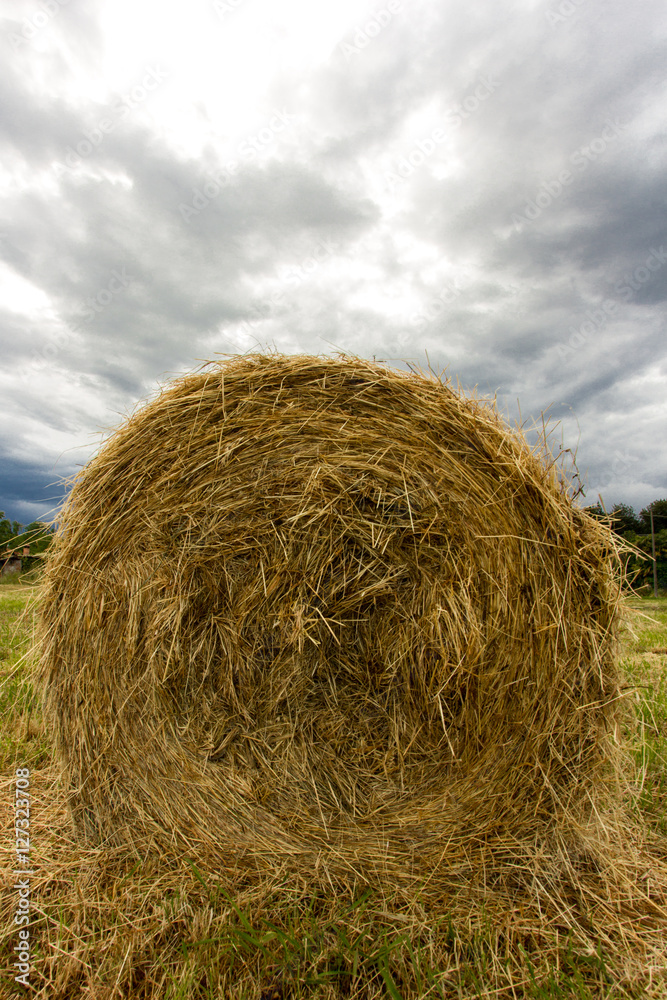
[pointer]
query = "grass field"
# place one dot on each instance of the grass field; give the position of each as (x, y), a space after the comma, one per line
(106, 923)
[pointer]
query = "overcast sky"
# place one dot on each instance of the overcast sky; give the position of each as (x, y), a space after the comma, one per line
(482, 185)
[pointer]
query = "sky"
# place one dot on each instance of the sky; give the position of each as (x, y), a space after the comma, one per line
(477, 187)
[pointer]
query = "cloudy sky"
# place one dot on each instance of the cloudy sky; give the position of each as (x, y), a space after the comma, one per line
(480, 186)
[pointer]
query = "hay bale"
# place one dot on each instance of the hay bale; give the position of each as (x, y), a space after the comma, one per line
(317, 613)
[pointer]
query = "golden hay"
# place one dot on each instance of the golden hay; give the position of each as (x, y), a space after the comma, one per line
(318, 615)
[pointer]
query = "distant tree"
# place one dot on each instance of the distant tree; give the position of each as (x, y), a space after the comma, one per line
(8, 531)
(659, 508)
(624, 519)
(643, 568)
(37, 535)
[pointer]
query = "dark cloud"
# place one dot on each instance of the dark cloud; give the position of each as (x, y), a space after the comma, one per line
(29, 492)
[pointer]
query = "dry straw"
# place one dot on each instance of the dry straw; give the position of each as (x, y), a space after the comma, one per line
(318, 616)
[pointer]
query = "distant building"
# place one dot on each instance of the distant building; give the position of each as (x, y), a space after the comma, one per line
(11, 564)
(10, 560)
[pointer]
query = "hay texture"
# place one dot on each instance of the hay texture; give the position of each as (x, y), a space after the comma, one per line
(321, 615)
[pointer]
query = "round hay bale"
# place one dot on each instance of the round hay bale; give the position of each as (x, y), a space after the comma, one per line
(320, 613)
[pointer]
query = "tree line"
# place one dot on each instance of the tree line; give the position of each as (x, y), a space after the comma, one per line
(14, 535)
(625, 522)
(636, 529)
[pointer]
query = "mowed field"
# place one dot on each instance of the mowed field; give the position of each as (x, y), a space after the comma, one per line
(108, 924)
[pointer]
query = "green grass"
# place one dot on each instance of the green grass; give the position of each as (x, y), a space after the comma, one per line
(647, 671)
(21, 737)
(111, 926)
